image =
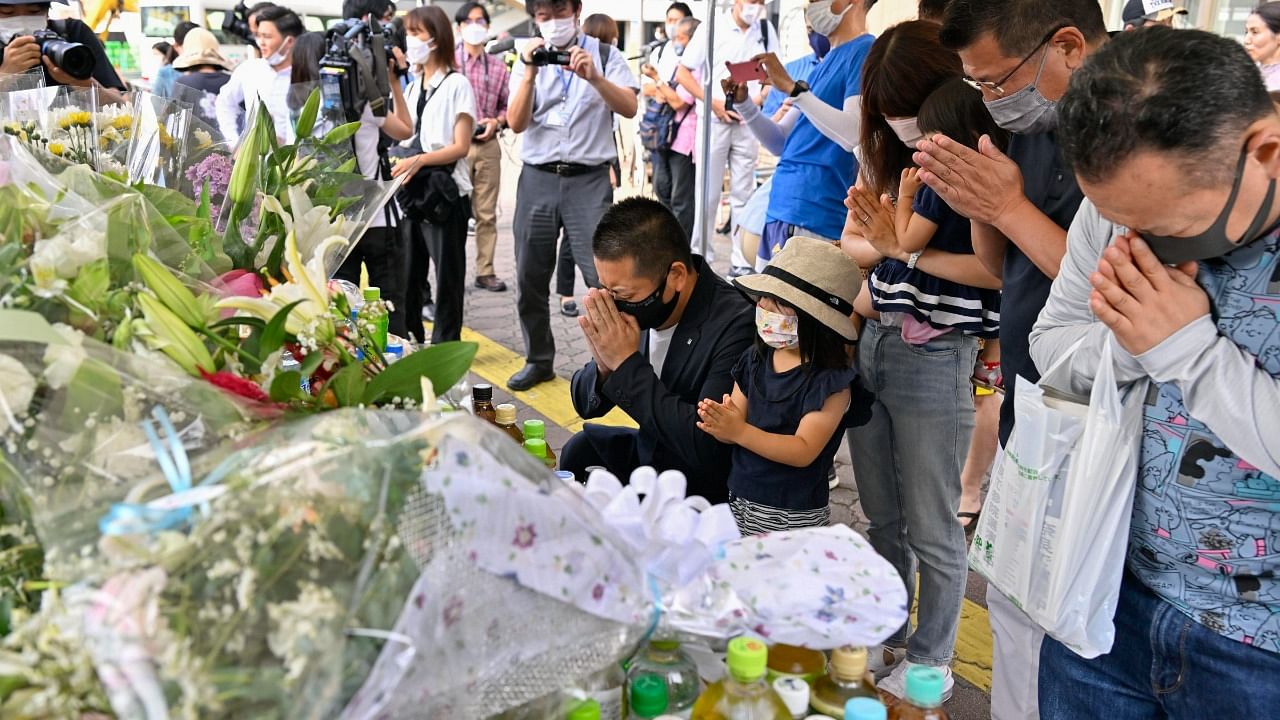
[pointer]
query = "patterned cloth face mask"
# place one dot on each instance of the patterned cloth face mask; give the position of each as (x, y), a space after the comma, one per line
(777, 330)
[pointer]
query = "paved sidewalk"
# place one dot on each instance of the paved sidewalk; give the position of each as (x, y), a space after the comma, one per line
(492, 318)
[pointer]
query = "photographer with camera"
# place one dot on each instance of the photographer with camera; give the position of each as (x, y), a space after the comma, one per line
(444, 108)
(566, 114)
(263, 79)
(382, 248)
(68, 50)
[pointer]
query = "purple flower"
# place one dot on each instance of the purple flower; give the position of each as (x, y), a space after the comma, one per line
(215, 169)
(452, 612)
(825, 616)
(597, 592)
(525, 536)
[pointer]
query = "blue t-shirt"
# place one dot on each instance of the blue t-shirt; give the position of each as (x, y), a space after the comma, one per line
(814, 172)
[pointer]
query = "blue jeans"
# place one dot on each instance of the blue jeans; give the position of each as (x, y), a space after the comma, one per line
(1163, 664)
(907, 463)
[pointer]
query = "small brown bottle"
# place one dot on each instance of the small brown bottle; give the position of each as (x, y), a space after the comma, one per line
(506, 419)
(482, 403)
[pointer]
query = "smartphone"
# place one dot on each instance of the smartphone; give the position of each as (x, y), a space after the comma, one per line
(746, 71)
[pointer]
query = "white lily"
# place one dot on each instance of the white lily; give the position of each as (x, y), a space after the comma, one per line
(308, 283)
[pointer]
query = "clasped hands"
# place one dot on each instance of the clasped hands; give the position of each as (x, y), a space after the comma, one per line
(612, 335)
(722, 420)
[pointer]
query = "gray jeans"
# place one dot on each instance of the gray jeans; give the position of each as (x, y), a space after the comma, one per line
(907, 463)
(547, 203)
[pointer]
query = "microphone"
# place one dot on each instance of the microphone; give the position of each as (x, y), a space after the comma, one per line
(498, 47)
(647, 49)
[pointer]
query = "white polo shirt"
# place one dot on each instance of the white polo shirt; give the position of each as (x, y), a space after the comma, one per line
(451, 98)
(733, 44)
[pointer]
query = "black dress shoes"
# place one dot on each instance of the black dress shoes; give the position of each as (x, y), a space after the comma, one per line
(529, 376)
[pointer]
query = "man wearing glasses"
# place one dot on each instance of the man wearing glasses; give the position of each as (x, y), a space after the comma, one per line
(490, 79)
(1020, 55)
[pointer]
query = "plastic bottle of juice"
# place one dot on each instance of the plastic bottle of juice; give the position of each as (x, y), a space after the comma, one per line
(664, 659)
(538, 429)
(924, 696)
(793, 661)
(583, 710)
(505, 415)
(862, 708)
(375, 313)
(744, 694)
(846, 679)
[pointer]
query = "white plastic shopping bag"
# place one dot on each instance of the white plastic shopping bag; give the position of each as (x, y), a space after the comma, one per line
(1055, 524)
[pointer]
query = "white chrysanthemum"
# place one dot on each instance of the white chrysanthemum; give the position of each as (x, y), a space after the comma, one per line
(17, 388)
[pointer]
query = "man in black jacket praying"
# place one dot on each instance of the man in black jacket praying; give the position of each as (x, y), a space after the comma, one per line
(665, 332)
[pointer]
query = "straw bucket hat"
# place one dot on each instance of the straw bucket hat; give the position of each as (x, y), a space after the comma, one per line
(813, 276)
(200, 47)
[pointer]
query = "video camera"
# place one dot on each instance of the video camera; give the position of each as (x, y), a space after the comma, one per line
(353, 71)
(548, 56)
(236, 24)
(75, 59)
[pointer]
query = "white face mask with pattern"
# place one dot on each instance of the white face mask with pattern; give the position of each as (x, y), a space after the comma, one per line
(777, 330)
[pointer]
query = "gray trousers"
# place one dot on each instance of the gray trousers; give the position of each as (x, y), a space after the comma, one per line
(547, 203)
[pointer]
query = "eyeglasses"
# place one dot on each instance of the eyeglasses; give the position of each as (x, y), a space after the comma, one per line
(476, 21)
(997, 87)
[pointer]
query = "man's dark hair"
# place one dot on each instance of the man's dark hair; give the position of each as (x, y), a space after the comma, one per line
(286, 21)
(533, 6)
(683, 8)
(361, 8)
(464, 12)
(932, 9)
(258, 9)
(1187, 92)
(644, 230)
(181, 29)
(1019, 25)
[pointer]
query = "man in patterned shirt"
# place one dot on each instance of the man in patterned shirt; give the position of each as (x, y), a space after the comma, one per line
(1176, 259)
(490, 81)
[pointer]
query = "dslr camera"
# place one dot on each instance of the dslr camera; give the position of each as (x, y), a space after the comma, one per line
(353, 71)
(236, 24)
(73, 58)
(547, 56)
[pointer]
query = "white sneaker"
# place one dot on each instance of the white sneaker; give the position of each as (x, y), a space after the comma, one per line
(895, 683)
(882, 660)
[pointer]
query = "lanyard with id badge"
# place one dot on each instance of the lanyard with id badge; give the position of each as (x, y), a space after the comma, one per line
(561, 115)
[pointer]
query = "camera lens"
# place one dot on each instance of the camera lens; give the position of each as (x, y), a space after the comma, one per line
(74, 58)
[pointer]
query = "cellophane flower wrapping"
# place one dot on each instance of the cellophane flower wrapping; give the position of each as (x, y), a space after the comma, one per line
(212, 566)
(534, 584)
(158, 141)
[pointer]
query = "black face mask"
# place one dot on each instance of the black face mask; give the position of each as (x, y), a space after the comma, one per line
(651, 312)
(1213, 242)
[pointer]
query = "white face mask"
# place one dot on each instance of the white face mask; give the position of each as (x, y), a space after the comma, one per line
(24, 24)
(475, 34)
(281, 56)
(671, 31)
(416, 50)
(751, 13)
(559, 32)
(906, 130)
(777, 330)
(821, 19)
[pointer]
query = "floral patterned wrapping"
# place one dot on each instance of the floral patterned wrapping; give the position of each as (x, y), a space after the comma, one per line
(627, 558)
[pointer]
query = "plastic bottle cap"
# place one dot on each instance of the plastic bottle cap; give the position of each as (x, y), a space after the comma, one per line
(506, 414)
(584, 710)
(482, 392)
(372, 293)
(747, 659)
(648, 695)
(565, 475)
(864, 708)
(535, 429)
(850, 663)
(536, 447)
(794, 693)
(925, 685)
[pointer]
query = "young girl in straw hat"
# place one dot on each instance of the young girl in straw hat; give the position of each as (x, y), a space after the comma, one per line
(791, 391)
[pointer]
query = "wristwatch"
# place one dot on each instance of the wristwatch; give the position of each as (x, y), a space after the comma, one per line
(800, 87)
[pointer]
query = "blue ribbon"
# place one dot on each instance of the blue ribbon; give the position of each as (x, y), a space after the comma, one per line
(171, 456)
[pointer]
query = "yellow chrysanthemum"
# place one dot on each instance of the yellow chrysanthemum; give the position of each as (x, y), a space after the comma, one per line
(56, 148)
(124, 122)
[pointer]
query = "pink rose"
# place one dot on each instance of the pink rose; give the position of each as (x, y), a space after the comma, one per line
(237, 283)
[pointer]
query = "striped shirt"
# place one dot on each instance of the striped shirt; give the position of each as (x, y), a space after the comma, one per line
(490, 81)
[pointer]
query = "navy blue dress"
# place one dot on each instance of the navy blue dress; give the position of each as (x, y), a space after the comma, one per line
(941, 303)
(776, 402)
